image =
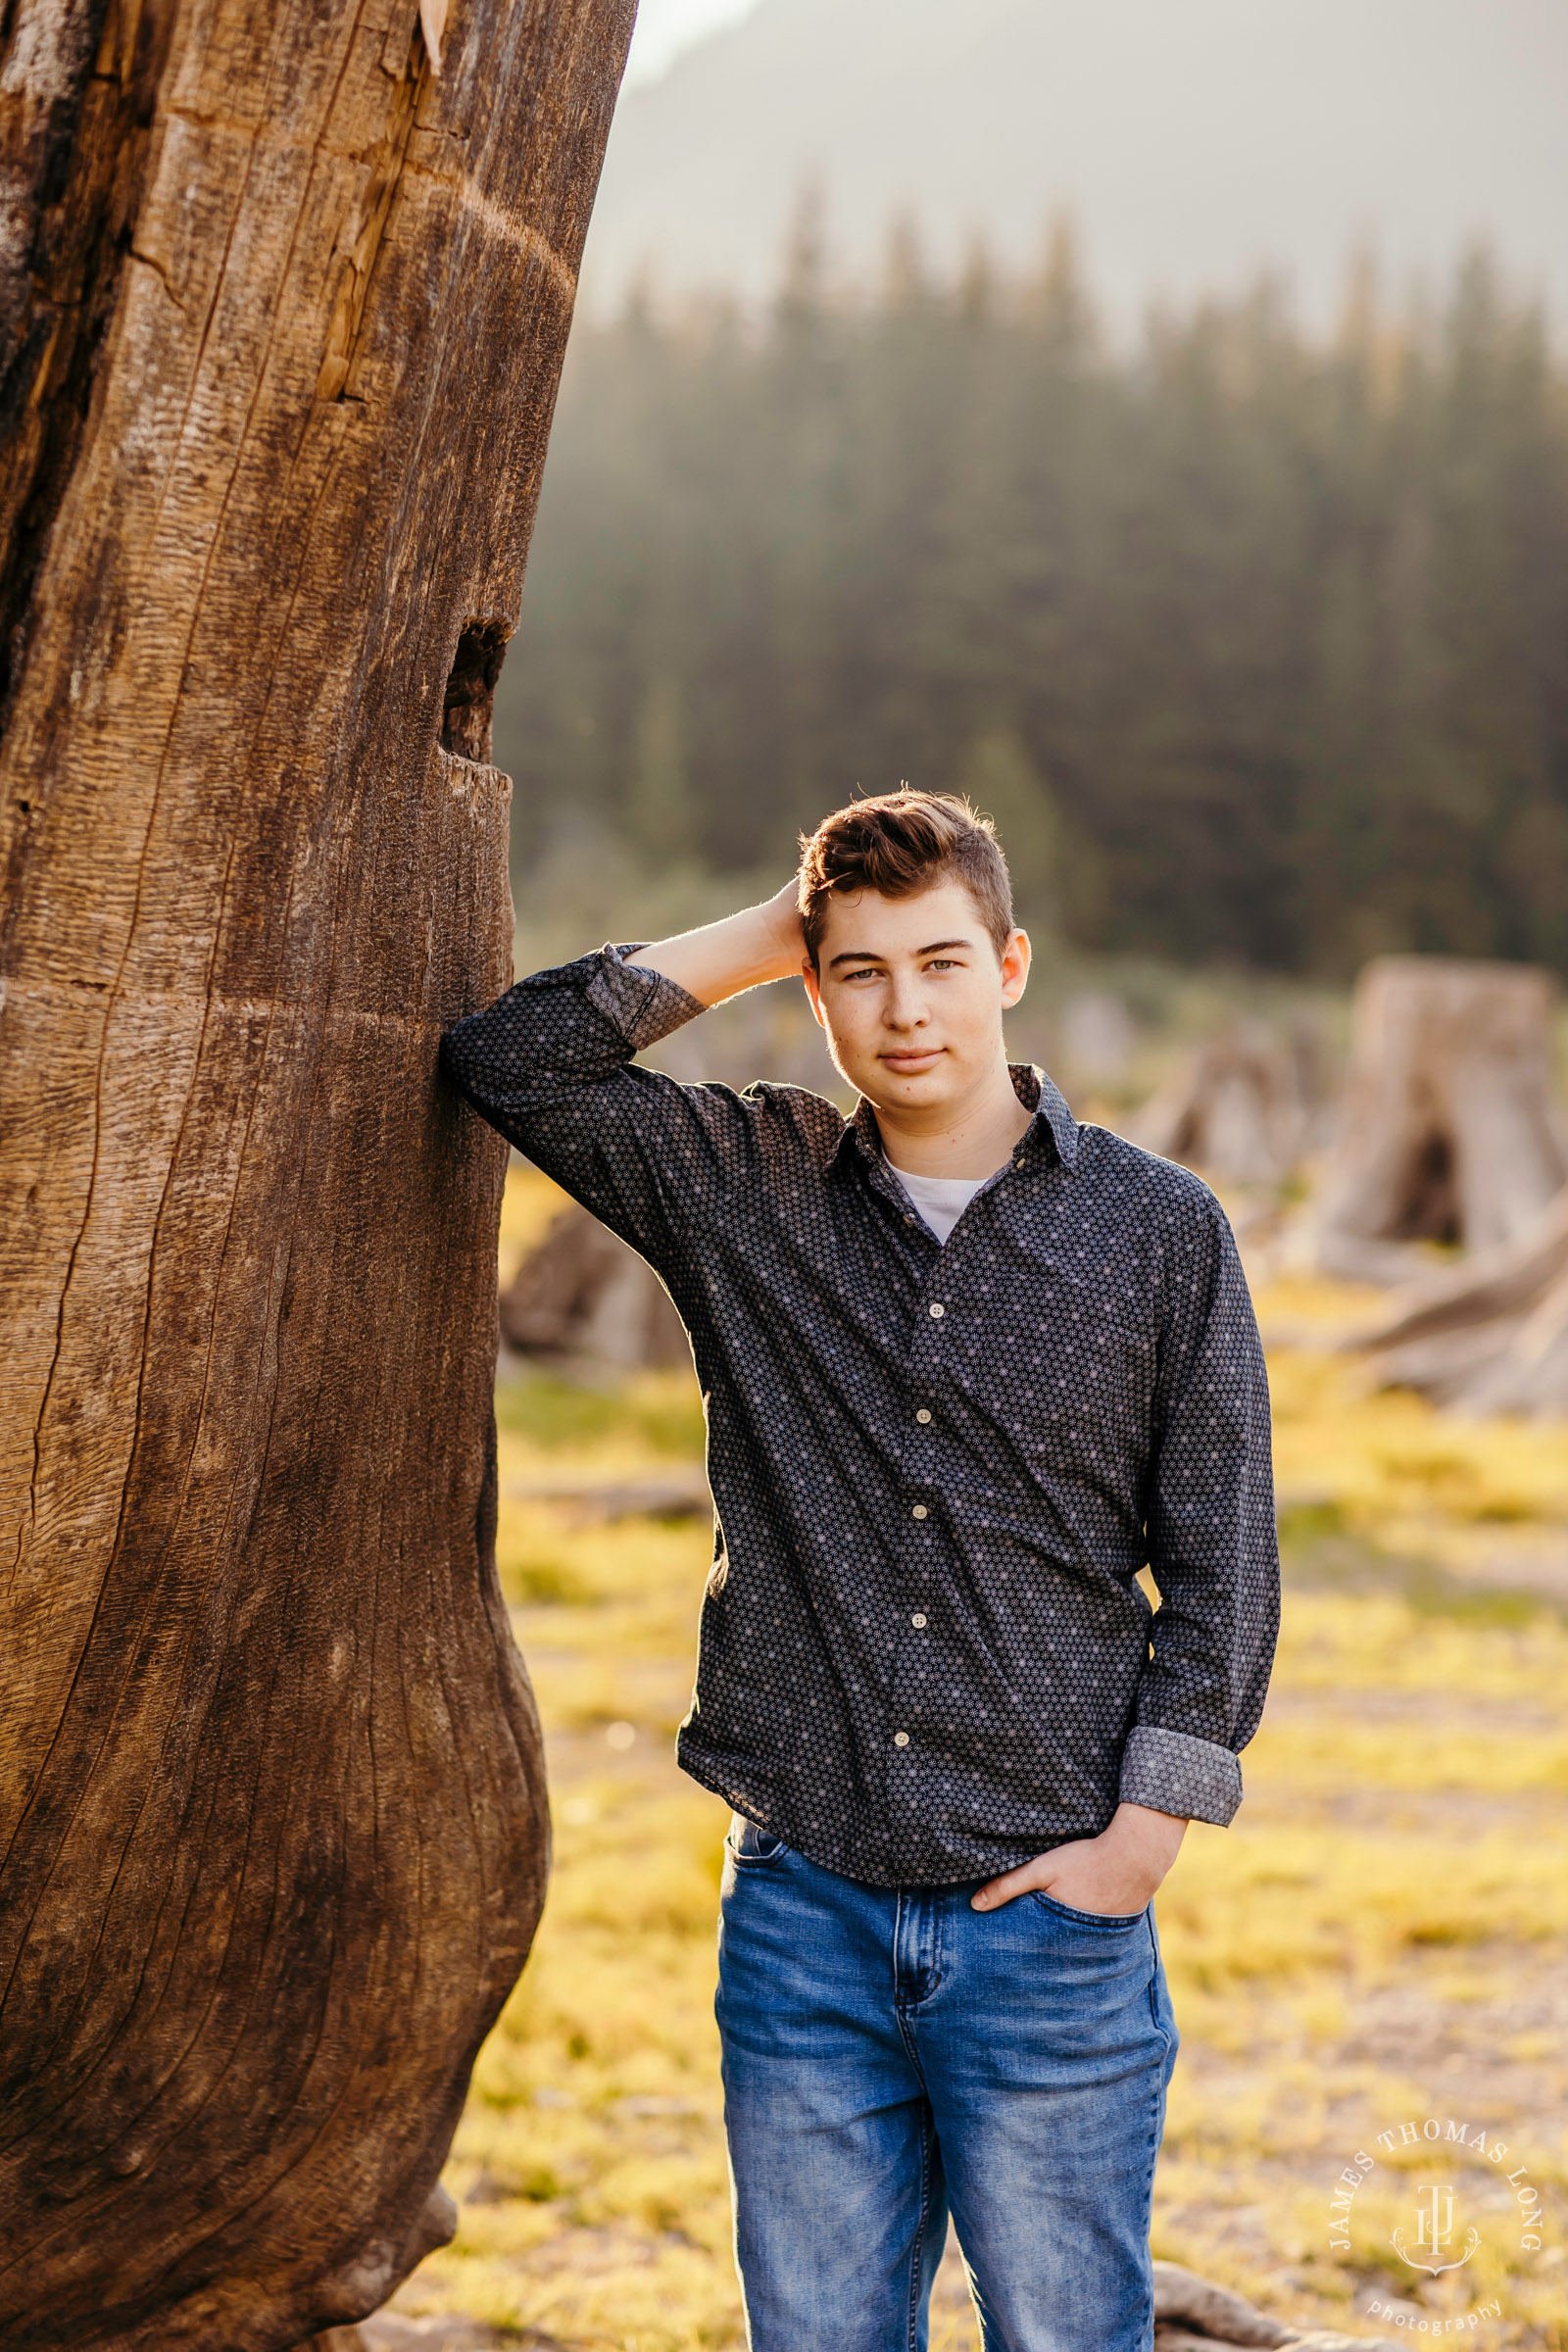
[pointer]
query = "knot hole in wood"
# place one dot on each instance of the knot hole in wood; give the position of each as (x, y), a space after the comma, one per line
(470, 693)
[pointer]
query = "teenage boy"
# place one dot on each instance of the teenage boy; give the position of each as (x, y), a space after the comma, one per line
(968, 1366)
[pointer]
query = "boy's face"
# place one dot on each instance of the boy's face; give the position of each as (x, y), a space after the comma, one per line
(911, 994)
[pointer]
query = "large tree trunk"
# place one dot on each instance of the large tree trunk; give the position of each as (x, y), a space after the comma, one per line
(284, 318)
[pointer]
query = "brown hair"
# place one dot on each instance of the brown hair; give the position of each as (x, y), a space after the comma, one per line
(899, 843)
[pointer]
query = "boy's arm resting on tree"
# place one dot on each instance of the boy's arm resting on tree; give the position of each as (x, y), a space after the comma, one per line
(1213, 1545)
(551, 1064)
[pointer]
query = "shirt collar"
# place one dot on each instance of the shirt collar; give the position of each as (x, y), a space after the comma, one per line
(1051, 1135)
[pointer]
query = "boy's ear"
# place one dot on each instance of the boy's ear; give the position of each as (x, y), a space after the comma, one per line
(1015, 959)
(813, 988)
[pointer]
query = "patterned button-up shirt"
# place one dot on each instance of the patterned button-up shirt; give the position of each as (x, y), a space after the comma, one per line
(937, 1469)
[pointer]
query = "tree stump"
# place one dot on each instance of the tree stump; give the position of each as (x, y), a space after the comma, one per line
(1448, 1131)
(581, 1292)
(1237, 1108)
(281, 320)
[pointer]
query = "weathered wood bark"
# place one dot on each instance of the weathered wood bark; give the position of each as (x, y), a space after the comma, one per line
(1490, 1336)
(1192, 2314)
(581, 1292)
(1448, 1131)
(283, 319)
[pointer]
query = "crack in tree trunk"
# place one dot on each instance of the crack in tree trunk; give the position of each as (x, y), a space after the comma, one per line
(76, 99)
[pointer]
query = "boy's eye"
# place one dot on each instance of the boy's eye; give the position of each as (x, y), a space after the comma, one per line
(943, 964)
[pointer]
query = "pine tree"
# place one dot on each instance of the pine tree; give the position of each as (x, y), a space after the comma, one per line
(1257, 645)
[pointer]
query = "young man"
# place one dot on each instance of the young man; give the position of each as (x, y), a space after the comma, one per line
(967, 1367)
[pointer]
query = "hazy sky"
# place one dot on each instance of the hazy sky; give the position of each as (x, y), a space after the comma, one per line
(1195, 142)
(665, 27)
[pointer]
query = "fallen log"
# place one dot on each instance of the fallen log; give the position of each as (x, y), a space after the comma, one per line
(1193, 2315)
(1486, 1337)
(1190, 2315)
(591, 1501)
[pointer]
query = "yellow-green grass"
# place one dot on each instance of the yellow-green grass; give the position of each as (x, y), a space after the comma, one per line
(1387, 1465)
(1381, 1936)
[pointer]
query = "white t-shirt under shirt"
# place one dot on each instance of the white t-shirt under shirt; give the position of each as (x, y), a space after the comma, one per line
(941, 1200)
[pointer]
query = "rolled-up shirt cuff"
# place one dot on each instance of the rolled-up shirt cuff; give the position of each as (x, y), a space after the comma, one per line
(642, 1006)
(1171, 1772)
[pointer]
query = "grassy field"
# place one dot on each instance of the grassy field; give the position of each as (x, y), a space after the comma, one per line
(1381, 1937)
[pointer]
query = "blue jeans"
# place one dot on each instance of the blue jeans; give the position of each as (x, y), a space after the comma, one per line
(889, 2055)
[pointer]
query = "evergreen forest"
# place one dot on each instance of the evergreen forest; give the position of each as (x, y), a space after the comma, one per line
(1256, 644)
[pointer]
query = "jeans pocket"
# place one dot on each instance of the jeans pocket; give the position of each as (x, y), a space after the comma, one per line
(750, 1846)
(1103, 1922)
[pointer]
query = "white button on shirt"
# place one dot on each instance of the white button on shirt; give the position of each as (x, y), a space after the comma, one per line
(900, 1739)
(919, 1510)
(936, 1310)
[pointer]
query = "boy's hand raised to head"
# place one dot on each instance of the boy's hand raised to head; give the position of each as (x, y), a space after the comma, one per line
(742, 950)
(1116, 1873)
